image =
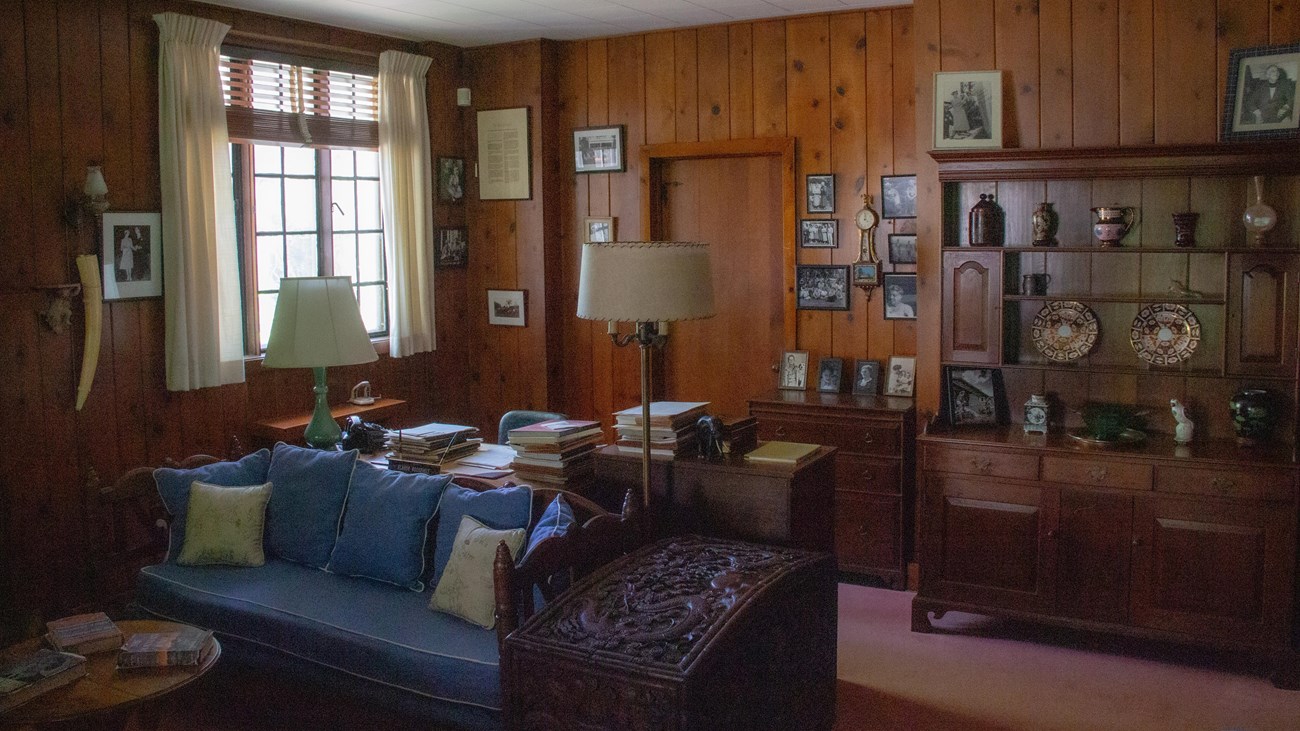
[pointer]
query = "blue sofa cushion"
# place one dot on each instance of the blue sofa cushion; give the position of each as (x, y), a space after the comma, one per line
(308, 490)
(385, 525)
(174, 488)
(502, 509)
(556, 520)
(355, 625)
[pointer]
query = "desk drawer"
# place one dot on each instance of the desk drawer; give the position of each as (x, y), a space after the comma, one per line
(864, 474)
(1098, 472)
(989, 464)
(1246, 484)
(850, 435)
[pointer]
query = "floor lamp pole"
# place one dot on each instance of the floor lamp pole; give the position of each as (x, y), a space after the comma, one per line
(646, 345)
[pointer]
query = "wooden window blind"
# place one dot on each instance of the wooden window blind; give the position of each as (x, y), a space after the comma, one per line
(279, 101)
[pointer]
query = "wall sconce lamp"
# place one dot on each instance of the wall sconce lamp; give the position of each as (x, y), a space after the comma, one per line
(93, 198)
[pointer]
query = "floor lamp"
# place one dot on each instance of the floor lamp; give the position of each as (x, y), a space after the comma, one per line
(646, 283)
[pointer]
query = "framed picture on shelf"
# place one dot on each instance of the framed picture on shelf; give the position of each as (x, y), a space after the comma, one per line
(898, 196)
(451, 179)
(599, 149)
(818, 233)
(1260, 100)
(820, 193)
(972, 395)
(900, 296)
(131, 258)
(821, 287)
(507, 307)
(866, 377)
(794, 370)
(967, 109)
(830, 374)
(901, 378)
(599, 230)
(902, 248)
(453, 248)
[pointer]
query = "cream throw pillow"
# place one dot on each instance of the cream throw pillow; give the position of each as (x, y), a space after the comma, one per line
(223, 525)
(465, 588)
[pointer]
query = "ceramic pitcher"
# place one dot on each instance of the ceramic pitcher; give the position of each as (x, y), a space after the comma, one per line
(1113, 223)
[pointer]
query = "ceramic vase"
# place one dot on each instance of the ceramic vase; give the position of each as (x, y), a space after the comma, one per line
(985, 222)
(1259, 218)
(1044, 225)
(1252, 415)
(1185, 228)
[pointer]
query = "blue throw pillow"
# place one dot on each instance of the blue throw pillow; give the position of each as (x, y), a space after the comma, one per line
(174, 488)
(503, 508)
(556, 520)
(308, 489)
(385, 525)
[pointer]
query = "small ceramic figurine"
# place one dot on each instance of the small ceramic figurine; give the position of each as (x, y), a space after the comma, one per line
(1183, 430)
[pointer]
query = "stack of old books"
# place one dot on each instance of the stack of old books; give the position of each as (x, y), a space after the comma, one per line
(426, 447)
(83, 634)
(787, 454)
(25, 677)
(185, 646)
(555, 452)
(739, 433)
(672, 428)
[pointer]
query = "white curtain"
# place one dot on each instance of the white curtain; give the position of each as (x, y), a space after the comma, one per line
(200, 256)
(406, 180)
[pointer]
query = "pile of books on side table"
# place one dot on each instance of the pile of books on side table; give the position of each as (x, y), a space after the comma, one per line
(183, 647)
(555, 452)
(72, 638)
(672, 428)
(424, 448)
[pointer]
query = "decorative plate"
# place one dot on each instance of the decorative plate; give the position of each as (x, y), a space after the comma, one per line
(1165, 334)
(1064, 331)
(1128, 437)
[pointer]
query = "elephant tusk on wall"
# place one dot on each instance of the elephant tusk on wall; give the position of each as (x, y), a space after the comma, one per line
(92, 291)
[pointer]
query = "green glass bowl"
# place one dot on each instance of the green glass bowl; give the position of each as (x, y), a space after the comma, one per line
(1107, 422)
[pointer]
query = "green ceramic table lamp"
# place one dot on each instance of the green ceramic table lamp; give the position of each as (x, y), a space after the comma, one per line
(317, 324)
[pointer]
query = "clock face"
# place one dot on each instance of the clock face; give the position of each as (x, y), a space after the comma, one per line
(866, 219)
(1035, 415)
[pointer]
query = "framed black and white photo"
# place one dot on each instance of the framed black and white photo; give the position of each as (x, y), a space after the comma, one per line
(830, 374)
(902, 248)
(818, 233)
(599, 149)
(900, 296)
(820, 191)
(132, 255)
(967, 109)
(453, 248)
(971, 395)
(507, 307)
(599, 230)
(1260, 100)
(821, 287)
(451, 179)
(866, 377)
(794, 370)
(900, 380)
(898, 196)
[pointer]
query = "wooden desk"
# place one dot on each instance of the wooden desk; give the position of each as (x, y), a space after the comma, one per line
(731, 498)
(290, 429)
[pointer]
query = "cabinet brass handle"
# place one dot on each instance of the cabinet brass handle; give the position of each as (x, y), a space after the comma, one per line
(1097, 474)
(868, 438)
(982, 465)
(1222, 484)
(780, 431)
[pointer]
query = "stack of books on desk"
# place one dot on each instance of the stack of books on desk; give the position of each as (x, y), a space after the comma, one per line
(424, 448)
(672, 428)
(739, 433)
(555, 452)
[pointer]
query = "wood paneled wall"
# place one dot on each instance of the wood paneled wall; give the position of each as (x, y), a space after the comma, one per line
(78, 85)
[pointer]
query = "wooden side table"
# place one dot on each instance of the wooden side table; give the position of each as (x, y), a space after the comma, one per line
(289, 429)
(107, 698)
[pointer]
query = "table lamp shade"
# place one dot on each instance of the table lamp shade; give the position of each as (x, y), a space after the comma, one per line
(317, 324)
(645, 281)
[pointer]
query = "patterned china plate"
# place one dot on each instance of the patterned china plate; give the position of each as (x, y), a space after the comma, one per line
(1165, 334)
(1064, 331)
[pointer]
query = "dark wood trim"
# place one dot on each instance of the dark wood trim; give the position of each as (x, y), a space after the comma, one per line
(1250, 158)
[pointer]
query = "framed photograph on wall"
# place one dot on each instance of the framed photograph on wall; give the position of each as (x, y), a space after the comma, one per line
(967, 109)
(503, 155)
(794, 370)
(818, 233)
(820, 192)
(898, 196)
(131, 258)
(451, 179)
(901, 378)
(821, 287)
(866, 377)
(900, 296)
(599, 149)
(599, 230)
(453, 248)
(972, 395)
(830, 374)
(1260, 100)
(507, 307)
(902, 248)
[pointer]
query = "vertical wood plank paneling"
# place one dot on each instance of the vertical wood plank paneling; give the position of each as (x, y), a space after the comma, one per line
(740, 38)
(714, 105)
(1185, 93)
(967, 35)
(1136, 73)
(1056, 74)
(925, 24)
(1017, 47)
(769, 79)
(904, 140)
(523, 386)
(1241, 24)
(1096, 73)
(626, 102)
(576, 386)
(687, 85)
(598, 67)
(660, 89)
(808, 66)
(848, 106)
(880, 118)
(1284, 22)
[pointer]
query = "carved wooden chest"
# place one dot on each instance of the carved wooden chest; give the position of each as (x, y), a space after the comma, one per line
(687, 633)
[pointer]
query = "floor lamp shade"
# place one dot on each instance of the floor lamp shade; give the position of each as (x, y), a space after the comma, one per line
(645, 281)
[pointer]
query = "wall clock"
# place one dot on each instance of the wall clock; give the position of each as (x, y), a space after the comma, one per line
(866, 270)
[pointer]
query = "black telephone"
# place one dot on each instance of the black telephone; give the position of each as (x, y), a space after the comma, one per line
(363, 436)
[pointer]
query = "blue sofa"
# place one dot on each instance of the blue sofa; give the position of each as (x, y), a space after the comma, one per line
(378, 642)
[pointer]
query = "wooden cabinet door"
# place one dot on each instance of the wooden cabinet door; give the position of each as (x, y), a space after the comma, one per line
(987, 542)
(868, 534)
(1215, 569)
(1261, 314)
(1093, 545)
(972, 306)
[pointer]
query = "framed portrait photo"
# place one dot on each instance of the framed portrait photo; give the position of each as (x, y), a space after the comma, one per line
(451, 179)
(901, 378)
(794, 370)
(830, 374)
(902, 248)
(599, 149)
(131, 258)
(972, 395)
(599, 230)
(967, 109)
(507, 307)
(866, 377)
(898, 196)
(820, 193)
(821, 287)
(900, 296)
(1260, 99)
(818, 233)
(453, 248)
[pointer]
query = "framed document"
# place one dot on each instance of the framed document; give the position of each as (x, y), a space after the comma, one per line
(503, 155)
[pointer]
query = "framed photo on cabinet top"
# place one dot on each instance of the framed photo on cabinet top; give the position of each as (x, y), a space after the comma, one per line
(901, 378)
(830, 374)
(818, 233)
(820, 193)
(967, 109)
(866, 377)
(794, 370)
(1260, 101)
(898, 196)
(972, 395)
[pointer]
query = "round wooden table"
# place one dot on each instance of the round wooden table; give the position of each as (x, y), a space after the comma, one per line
(106, 698)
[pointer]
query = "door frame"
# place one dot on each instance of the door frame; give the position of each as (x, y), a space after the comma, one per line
(653, 159)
